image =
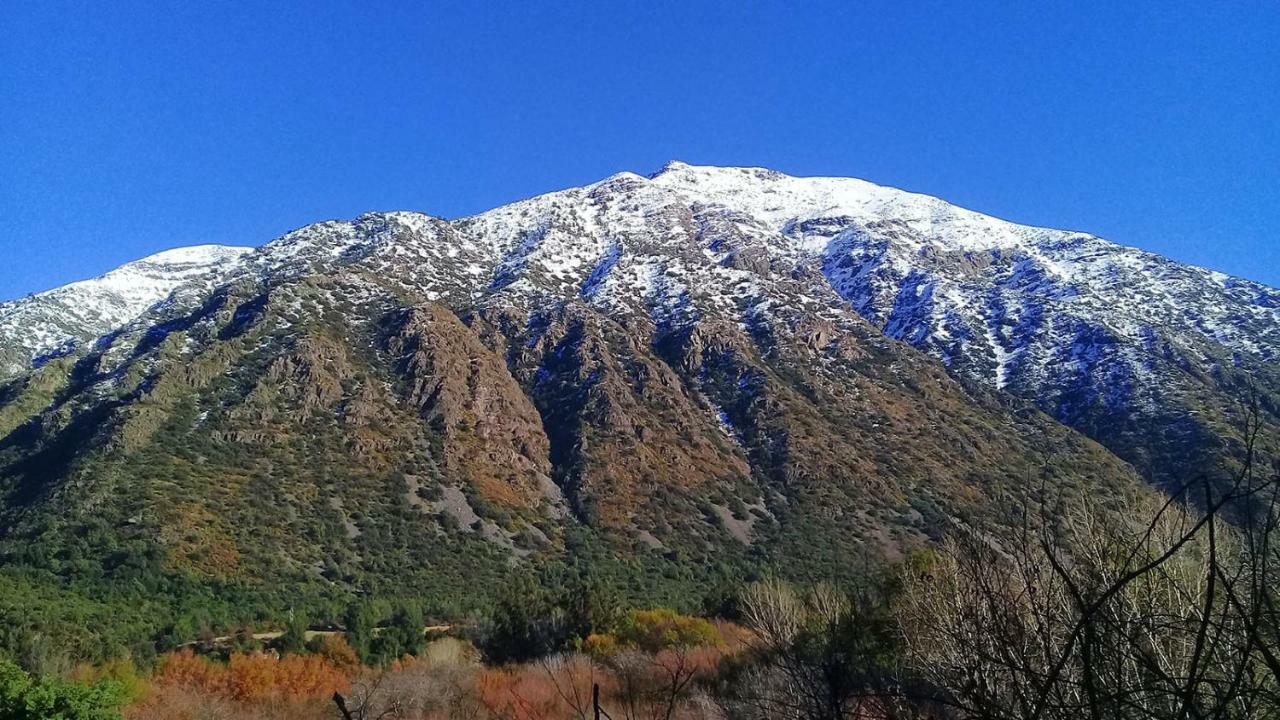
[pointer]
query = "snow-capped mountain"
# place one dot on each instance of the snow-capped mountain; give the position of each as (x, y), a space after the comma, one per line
(1152, 357)
(56, 321)
(1147, 355)
(705, 368)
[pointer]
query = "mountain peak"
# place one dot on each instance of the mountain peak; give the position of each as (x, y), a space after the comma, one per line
(195, 254)
(670, 166)
(745, 173)
(63, 317)
(687, 284)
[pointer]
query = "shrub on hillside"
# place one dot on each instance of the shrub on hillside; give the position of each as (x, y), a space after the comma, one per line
(24, 696)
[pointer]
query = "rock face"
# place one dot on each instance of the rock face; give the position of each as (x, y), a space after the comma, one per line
(1153, 358)
(491, 433)
(700, 369)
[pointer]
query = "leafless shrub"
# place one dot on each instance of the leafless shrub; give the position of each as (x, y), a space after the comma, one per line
(1162, 612)
(815, 655)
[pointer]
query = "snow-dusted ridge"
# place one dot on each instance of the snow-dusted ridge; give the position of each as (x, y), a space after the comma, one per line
(784, 202)
(924, 270)
(56, 320)
(1063, 317)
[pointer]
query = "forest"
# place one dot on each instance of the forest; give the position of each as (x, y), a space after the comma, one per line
(1169, 610)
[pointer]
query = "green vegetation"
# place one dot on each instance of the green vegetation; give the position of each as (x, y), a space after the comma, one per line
(24, 696)
(322, 456)
(1061, 625)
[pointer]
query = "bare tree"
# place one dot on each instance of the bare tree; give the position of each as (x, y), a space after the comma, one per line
(1097, 614)
(818, 655)
(576, 689)
(426, 687)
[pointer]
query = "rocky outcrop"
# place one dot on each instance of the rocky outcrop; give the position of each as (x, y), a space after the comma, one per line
(492, 435)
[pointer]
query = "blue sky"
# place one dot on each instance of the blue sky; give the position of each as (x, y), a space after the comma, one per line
(127, 128)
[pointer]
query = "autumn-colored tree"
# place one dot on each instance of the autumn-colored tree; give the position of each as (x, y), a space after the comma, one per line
(183, 668)
(254, 676)
(656, 656)
(337, 651)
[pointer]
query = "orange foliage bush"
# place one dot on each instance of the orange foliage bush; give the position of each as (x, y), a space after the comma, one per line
(338, 652)
(448, 682)
(736, 637)
(557, 687)
(254, 676)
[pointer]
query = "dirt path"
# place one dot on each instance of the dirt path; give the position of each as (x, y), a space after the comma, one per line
(309, 635)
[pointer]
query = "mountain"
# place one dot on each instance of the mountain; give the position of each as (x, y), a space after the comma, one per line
(672, 381)
(55, 322)
(1155, 359)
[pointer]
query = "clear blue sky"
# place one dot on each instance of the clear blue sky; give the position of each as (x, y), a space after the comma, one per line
(127, 128)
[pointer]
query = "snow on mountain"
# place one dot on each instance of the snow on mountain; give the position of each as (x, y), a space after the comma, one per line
(983, 294)
(1147, 355)
(55, 321)
(999, 300)
(1103, 337)
(953, 280)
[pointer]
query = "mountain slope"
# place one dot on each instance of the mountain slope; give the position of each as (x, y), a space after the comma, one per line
(671, 380)
(1153, 358)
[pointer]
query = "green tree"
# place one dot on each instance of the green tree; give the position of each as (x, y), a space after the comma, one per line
(524, 625)
(26, 697)
(590, 606)
(402, 637)
(360, 621)
(294, 639)
(184, 629)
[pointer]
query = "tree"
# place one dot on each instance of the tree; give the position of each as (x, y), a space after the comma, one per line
(656, 656)
(360, 620)
(294, 639)
(662, 629)
(819, 653)
(1167, 613)
(590, 606)
(337, 651)
(525, 625)
(26, 697)
(404, 636)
